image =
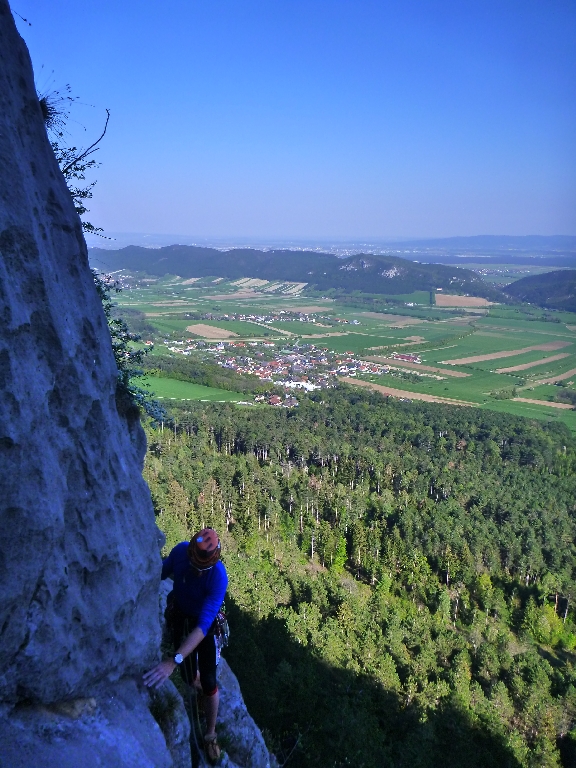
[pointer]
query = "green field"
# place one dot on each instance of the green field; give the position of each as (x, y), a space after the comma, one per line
(474, 389)
(531, 411)
(542, 391)
(418, 297)
(168, 325)
(172, 389)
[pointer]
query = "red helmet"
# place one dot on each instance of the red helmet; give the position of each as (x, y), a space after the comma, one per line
(204, 549)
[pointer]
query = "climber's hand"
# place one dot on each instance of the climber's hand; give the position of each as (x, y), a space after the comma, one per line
(159, 674)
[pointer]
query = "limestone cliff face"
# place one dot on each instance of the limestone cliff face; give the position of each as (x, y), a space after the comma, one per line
(79, 562)
(79, 548)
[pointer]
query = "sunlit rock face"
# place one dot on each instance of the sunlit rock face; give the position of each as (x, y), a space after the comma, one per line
(79, 562)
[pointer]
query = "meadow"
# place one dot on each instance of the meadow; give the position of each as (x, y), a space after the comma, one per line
(172, 389)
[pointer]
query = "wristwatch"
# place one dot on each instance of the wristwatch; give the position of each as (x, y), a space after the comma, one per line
(178, 659)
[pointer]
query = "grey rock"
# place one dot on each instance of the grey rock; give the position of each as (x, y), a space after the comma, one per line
(113, 729)
(168, 710)
(79, 548)
(79, 559)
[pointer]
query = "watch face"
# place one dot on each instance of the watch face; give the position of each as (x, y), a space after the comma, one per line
(178, 658)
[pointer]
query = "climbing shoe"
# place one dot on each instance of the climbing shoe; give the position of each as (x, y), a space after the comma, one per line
(211, 749)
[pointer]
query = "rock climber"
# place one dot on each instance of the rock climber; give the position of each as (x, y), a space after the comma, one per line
(200, 582)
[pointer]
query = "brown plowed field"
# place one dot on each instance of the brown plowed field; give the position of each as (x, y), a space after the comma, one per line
(543, 402)
(386, 318)
(210, 332)
(452, 300)
(324, 335)
(406, 322)
(308, 310)
(532, 365)
(553, 379)
(547, 347)
(232, 296)
(403, 393)
(418, 366)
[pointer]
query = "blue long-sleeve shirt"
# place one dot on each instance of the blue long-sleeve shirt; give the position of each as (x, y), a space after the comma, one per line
(196, 593)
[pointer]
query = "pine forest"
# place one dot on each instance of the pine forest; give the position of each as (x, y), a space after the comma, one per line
(402, 575)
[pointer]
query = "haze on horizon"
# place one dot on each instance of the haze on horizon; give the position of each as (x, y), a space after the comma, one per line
(320, 119)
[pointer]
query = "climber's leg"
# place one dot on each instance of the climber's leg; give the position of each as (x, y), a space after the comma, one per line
(211, 712)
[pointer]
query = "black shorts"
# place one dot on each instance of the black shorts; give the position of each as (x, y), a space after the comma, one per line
(203, 659)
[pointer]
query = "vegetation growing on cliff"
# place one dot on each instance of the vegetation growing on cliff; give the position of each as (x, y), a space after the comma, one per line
(130, 396)
(401, 575)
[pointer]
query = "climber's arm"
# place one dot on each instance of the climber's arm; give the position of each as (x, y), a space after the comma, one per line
(161, 672)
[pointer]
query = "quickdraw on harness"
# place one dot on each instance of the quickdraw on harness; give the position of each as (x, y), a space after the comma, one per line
(221, 632)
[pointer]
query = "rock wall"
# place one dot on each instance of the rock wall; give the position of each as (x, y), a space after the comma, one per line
(79, 555)
(79, 548)
(112, 729)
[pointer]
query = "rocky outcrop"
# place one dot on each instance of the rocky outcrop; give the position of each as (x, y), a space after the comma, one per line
(79, 554)
(79, 561)
(112, 729)
(79, 548)
(167, 708)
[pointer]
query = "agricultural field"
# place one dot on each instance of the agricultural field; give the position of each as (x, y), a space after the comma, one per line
(418, 297)
(172, 389)
(452, 300)
(499, 357)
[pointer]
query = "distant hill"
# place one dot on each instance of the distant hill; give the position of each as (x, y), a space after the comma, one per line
(555, 290)
(565, 244)
(539, 250)
(322, 271)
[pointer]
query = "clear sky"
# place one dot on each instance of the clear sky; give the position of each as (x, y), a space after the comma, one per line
(320, 118)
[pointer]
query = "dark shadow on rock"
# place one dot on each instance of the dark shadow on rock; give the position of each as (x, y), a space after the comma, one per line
(325, 716)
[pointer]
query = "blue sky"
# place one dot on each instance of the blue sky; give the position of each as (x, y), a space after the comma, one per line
(320, 118)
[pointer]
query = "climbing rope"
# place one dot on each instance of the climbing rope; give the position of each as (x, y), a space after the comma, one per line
(195, 726)
(195, 722)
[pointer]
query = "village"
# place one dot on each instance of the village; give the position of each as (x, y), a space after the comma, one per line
(291, 366)
(282, 316)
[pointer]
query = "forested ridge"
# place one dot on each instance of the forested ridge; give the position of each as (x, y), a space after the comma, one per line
(401, 574)
(556, 290)
(322, 271)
